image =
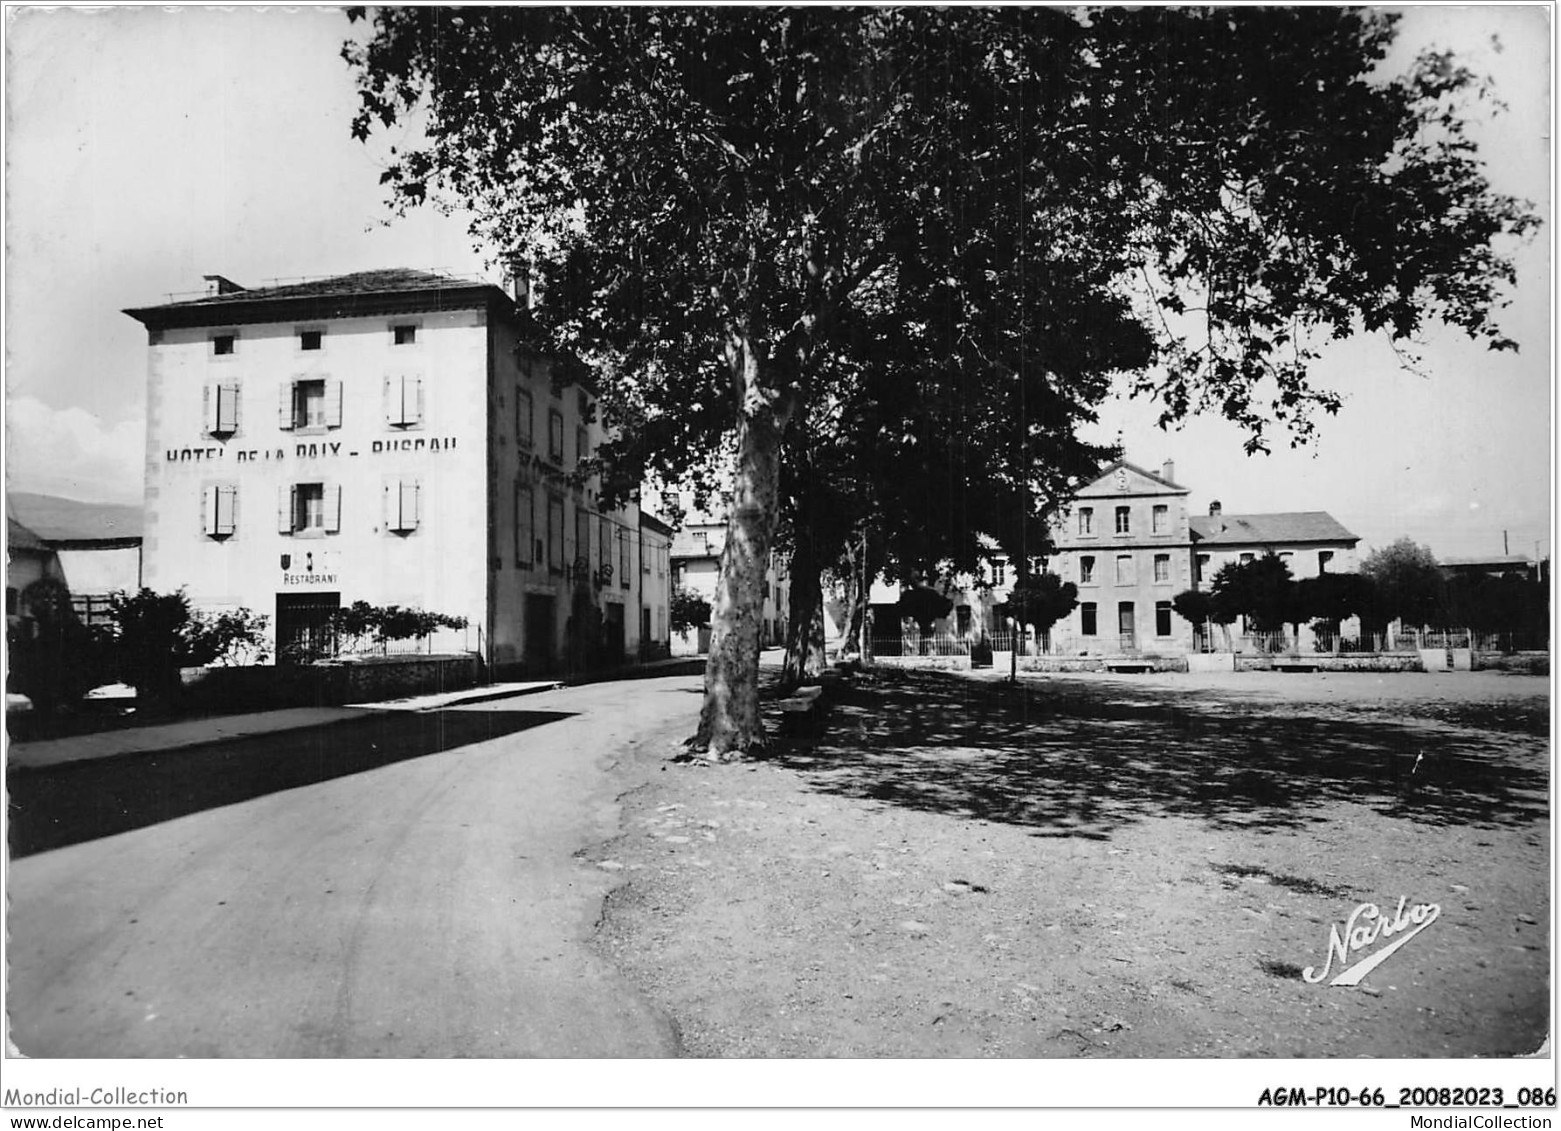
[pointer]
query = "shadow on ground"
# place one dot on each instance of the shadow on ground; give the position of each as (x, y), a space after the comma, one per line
(55, 806)
(1080, 760)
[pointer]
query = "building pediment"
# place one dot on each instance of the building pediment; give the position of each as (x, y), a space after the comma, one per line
(1123, 478)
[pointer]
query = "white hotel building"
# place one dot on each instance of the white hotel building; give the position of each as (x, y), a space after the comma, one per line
(388, 437)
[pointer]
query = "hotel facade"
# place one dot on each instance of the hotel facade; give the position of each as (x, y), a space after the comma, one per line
(389, 437)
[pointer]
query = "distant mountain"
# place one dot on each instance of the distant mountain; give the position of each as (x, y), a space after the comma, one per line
(55, 519)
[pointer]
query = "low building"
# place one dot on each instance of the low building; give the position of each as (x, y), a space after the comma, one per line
(28, 559)
(391, 437)
(696, 567)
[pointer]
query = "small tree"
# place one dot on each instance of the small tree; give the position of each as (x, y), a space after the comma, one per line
(689, 610)
(54, 658)
(1040, 601)
(154, 635)
(924, 605)
(1408, 583)
(1201, 610)
(1329, 598)
(1260, 590)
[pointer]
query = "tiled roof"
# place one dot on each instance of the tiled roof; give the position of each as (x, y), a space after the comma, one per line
(1488, 560)
(18, 537)
(385, 281)
(1268, 529)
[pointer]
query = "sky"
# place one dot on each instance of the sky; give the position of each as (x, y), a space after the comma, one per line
(147, 147)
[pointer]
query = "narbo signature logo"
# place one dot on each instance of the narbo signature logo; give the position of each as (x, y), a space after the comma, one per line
(1365, 926)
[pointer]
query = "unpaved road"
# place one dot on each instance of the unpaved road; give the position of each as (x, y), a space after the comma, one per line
(1101, 867)
(405, 887)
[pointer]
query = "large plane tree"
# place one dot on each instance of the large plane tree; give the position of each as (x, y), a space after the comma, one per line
(1040, 196)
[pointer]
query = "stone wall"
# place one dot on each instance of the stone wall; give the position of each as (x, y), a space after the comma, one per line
(264, 687)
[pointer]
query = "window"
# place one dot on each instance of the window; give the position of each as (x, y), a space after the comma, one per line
(1162, 568)
(1124, 520)
(582, 446)
(1086, 520)
(403, 400)
(1087, 618)
(1087, 569)
(1246, 559)
(525, 525)
(1124, 569)
(604, 539)
(11, 596)
(999, 571)
(1323, 558)
(310, 403)
(1162, 618)
(310, 339)
(623, 556)
(1200, 567)
(582, 539)
(555, 435)
(555, 535)
(584, 404)
(403, 503)
(523, 418)
(219, 510)
(222, 344)
(405, 335)
(309, 508)
(1162, 518)
(220, 409)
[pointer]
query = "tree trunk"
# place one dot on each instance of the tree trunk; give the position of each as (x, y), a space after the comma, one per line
(729, 724)
(805, 630)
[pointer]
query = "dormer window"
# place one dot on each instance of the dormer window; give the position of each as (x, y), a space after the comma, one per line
(310, 339)
(405, 335)
(222, 344)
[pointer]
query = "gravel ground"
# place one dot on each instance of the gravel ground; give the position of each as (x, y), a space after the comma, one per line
(1099, 867)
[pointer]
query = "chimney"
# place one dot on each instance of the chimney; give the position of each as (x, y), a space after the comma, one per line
(1214, 509)
(1168, 472)
(518, 267)
(217, 285)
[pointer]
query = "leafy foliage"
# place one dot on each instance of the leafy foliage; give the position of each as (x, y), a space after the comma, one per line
(1040, 601)
(1260, 590)
(53, 658)
(924, 605)
(362, 625)
(1407, 582)
(900, 252)
(689, 610)
(154, 635)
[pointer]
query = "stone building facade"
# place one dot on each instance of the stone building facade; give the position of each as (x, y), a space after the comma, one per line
(1130, 545)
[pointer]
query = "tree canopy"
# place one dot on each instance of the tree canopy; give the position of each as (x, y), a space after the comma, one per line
(744, 217)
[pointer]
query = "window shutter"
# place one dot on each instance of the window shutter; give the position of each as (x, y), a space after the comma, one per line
(286, 507)
(232, 509)
(285, 410)
(333, 506)
(417, 400)
(333, 404)
(209, 509)
(228, 407)
(209, 410)
(407, 499)
(392, 399)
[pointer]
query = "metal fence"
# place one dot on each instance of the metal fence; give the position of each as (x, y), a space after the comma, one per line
(948, 644)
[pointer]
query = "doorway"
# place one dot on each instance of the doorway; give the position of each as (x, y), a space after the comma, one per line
(1126, 626)
(540, 631)
(303, 626)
